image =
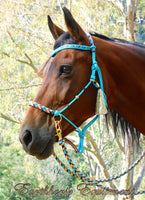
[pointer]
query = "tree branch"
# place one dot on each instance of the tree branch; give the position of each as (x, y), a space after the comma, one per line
(91, 167)
(23, 87)
(30, 63)
(8, 118)
(140, 176)
(96, 156)
(119, 144)
(117, 5)
(24, 61)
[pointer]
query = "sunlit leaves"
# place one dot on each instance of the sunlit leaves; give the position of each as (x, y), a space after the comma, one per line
(25, 38)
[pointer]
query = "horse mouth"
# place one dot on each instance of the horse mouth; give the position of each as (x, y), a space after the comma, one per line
(38, 142)
(47, 152)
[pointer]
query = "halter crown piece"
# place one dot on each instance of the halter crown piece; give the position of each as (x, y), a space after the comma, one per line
(94, 68)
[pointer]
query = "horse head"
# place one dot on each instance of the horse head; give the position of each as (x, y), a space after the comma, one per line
(64, 76)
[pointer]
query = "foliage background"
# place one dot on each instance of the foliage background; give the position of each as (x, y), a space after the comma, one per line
(25, 45)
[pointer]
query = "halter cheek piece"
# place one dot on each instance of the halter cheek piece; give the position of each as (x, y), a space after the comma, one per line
(58, 114)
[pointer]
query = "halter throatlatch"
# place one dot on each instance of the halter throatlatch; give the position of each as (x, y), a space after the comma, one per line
(102, 97)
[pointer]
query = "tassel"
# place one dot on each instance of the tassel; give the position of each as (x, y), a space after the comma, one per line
(81, 134)
(100, 103)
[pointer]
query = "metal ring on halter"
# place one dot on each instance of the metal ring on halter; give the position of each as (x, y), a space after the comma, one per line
(58, 126)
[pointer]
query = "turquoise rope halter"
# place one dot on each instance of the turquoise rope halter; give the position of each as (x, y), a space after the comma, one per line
(94, 68)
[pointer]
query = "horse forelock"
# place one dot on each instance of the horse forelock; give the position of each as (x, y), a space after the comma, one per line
(65, 38)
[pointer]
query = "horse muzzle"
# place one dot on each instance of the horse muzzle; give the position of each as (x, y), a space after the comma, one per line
(38, 142)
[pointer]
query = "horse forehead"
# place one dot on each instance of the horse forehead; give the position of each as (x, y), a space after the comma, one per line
(62, 57)
(65, 56)
(73, 54)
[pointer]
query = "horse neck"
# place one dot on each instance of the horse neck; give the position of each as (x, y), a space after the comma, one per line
(123, 72)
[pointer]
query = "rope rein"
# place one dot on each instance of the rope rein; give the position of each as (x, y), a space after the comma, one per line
(76, 173)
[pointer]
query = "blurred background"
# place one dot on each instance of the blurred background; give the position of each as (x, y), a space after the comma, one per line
(25, 45)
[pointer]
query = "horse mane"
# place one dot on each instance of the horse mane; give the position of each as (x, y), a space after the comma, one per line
(119, 123)
(119, 41)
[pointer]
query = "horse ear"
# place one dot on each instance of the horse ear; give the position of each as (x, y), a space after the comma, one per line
(74, 28)
(55, 30)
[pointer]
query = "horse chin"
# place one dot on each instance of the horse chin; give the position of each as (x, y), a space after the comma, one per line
(47, 152)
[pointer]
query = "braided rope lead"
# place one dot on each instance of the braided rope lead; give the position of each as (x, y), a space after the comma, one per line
(76, 173)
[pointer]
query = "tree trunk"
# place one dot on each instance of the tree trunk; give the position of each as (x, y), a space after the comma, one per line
(126, 181)
(140, 176)
(131, 14)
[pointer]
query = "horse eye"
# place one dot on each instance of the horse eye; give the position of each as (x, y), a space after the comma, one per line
(65, 70)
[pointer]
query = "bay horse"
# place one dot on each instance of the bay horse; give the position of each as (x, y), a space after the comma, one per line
(65, 74)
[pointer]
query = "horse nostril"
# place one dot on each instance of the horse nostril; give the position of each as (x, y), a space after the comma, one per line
(27, 137)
